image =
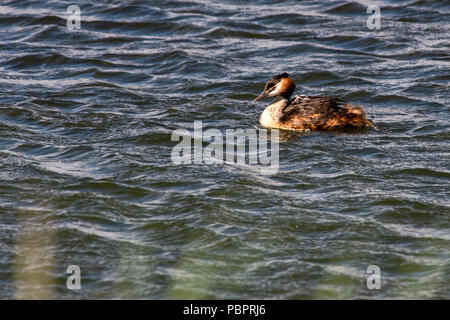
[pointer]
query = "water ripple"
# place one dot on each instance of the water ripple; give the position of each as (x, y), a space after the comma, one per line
(85, 152)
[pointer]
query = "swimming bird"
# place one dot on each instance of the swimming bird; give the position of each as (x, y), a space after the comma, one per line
(307, 113)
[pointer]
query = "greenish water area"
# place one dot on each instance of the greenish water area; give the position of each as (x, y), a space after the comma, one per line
(87, 176)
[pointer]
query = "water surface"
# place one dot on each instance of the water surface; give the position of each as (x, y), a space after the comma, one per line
(86, 177)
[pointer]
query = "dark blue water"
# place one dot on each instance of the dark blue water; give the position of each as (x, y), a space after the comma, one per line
(86, 176)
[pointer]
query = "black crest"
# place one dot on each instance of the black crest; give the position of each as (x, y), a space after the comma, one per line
(275, 79)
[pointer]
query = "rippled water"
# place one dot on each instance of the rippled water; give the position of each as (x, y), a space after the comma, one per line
(86, 176)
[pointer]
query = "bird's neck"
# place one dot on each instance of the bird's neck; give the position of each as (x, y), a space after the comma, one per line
(277, 107)
(278, 99)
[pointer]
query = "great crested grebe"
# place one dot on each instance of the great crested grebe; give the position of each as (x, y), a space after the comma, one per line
(304, 113)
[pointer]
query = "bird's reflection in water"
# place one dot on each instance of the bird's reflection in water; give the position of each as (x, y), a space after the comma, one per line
(284, 135)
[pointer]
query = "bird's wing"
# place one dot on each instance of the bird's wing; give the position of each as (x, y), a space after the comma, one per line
(311, 113)
(307, 106)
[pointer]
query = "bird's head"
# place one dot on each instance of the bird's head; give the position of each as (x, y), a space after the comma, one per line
(279, 85)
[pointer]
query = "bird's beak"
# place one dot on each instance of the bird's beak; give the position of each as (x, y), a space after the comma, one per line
(261, 96)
